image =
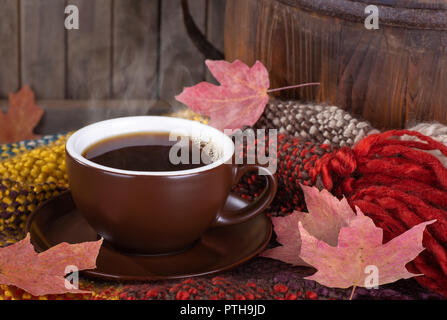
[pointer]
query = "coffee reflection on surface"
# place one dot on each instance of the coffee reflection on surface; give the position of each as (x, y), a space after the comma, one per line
(145, 152)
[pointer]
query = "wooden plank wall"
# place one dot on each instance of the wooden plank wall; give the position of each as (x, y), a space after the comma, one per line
(124, 49)
(9, 47)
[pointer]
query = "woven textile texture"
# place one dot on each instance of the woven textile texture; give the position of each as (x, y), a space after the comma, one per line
(315, 123)
(307, 132)
(398, 184)
(32, 174)
(295, 159)
(8, 150)
(435, 130)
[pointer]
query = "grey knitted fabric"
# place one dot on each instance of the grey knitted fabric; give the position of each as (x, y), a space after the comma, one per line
(316, 123)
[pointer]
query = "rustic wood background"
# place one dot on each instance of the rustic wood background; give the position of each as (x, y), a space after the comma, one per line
(393, 77)
(134, 51)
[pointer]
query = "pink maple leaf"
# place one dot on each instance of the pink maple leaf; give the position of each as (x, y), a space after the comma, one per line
(43, 273)
(238, 101)
(359, 246)
(341, 244)
(327, 215)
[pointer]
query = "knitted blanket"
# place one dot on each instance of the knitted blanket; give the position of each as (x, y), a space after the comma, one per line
(34, 171)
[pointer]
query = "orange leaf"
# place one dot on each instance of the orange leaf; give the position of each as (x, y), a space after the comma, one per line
(43, 273)
(21, 118)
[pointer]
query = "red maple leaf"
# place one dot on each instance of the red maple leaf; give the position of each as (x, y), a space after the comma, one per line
(21, 118)
(359, 248)
(239, 100)
(326, 216)
(341, 244)
(44, 273)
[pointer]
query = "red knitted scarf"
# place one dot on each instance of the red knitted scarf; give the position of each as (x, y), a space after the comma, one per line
(398, 185)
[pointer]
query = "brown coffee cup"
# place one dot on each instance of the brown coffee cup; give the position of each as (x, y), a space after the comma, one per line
(157, 212)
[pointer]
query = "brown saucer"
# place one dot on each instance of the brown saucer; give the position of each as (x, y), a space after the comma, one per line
(218, 249)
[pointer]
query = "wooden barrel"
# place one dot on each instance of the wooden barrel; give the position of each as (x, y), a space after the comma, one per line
(393, 76)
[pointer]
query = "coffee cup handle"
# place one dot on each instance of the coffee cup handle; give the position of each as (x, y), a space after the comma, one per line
(230, 217)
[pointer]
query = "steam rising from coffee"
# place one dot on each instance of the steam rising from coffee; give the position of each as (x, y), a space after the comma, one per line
(250, 148)
(147, 70)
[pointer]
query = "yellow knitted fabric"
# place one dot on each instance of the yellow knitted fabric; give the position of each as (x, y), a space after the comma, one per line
(188, 114)
(16, 148)
(44, 164)
(26, 180)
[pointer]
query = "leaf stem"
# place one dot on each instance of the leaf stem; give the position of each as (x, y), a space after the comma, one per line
(294, 86)
(352, 292)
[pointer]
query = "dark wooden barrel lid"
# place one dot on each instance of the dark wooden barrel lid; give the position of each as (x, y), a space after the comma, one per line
(409, 4)
(415, 14)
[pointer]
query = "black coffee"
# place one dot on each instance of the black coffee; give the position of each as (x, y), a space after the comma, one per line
(148, 152)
